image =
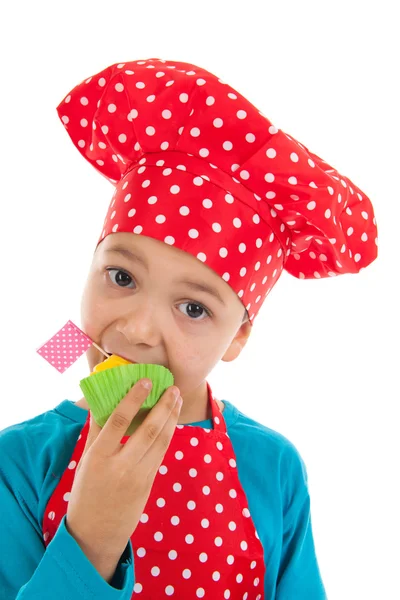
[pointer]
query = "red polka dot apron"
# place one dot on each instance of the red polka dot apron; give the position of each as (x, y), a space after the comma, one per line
(195, 538)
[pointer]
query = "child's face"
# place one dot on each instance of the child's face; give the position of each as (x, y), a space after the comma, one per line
(149, 316)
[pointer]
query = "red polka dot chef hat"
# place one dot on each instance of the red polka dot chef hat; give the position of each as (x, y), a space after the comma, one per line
(197, 166)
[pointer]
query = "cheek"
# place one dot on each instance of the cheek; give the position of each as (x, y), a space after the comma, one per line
(93, 311)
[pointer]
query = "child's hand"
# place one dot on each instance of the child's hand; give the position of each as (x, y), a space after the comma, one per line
(113, 480)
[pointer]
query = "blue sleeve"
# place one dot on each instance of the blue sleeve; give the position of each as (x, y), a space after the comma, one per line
(29, 570)
(299, 575)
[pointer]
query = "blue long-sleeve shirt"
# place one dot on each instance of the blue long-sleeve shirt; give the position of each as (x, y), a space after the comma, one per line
(35, 453)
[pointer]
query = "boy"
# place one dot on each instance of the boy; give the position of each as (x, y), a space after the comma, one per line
(215, 195)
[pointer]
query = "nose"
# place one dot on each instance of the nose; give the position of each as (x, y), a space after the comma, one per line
(140, 325)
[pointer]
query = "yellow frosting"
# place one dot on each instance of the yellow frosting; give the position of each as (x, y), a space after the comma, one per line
(112, 361)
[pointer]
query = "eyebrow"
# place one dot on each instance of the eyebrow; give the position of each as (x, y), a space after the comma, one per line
(195, 285)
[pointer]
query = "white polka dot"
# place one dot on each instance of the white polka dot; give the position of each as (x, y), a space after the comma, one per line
(51, 515)
(122, 138)
(223, 252)
(207, 203)
(232, 462)
(232, 525)
(253, 564)
(72, 464)
(229, 198)
(207, 458)
(243, 545)
(84, 101)
(218, 541)
(195, 132)
(189, 539)
(227, 594)
(84, 122)
(161, 219)
(160, 502)
(137, 587)
(177, 487)
(237, 223)
(133, 114)
(111, 108)
(230, 559)
(175, 520)
(219, 476)
(155, 571)
(216, 227)
(67, 496)
(172, 554)
(206, 490)
(256, 581)
(200, 593)
(169, 590)
(216, 576)
(219, 446)
(144, 518)
(141, 552)
(191, 505)
(193, 233)
(175, 189)
(163, 470)
(179, 455)
(186, 573)
(192, 472)
(203, 557)
(150, 130)
(241, 114)
(158, 536)
(219, 508)
(205, 523)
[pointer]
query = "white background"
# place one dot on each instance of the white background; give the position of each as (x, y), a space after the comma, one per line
(321, 366)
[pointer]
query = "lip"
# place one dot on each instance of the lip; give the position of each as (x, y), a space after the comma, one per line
(121, 355)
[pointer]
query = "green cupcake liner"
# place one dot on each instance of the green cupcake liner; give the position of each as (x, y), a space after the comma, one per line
(104, 390)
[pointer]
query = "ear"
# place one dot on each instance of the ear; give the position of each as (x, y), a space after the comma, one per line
(238, 342)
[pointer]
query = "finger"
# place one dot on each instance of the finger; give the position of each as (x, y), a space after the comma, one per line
(152, 460)
(93, 432)
(147, 433)
(108, 441)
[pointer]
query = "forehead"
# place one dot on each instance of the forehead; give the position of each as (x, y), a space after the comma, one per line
(149, 251)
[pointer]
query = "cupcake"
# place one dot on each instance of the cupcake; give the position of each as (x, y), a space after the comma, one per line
(112, 379)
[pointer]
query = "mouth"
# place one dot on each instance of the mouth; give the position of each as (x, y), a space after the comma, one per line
(121, 355)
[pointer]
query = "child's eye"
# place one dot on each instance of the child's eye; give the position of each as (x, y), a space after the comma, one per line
(191, 303)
